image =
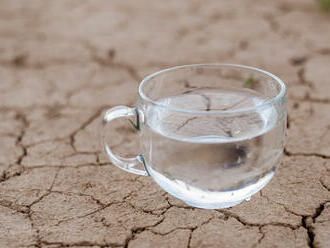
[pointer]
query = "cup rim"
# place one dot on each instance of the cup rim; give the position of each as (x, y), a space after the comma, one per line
(265, 104)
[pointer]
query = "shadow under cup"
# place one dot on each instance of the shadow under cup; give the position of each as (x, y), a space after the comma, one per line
(211, 135)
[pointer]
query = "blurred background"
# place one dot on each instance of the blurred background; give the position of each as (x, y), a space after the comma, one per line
(93, 53)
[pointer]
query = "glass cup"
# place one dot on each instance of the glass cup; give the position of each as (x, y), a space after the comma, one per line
(211, 135)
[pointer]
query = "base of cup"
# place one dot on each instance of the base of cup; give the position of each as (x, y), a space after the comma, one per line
(214, 206)
(209, 199)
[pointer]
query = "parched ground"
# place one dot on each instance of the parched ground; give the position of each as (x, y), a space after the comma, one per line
(62, 63)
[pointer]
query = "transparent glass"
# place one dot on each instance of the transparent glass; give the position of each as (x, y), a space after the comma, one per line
(211, 135)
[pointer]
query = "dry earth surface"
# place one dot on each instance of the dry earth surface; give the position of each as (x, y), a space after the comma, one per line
(62, 63)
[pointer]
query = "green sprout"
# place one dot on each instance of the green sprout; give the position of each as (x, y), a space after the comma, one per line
(135, 126)
(324, 4)
(249, 82)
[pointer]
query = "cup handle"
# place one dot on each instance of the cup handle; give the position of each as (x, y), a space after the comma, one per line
(126, 164)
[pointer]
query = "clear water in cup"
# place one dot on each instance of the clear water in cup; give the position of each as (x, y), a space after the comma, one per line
(212, 161)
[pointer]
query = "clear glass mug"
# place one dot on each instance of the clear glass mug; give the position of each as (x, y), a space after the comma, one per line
(211, 135)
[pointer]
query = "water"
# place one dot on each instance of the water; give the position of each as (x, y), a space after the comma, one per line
(212, 161)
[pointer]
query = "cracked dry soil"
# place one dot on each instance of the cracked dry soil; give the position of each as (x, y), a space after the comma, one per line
(62, 63)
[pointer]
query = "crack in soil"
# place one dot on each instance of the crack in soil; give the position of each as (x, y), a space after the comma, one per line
(88, 214)
(17, 208)
(81, 194)
(307, 223)
(263, 234)
(29, 213)
(138, 230)
(312, 154)
(192, 228)
(246, 223)
(309, 230)
(84, 125)
(48, 190)
(82, 244)
(109, 61)
(288, 121)
(298, 60)
(19, 63)
(303, 80)
(6, 174)
(22, 118)
(324, 185)
(280, 204)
